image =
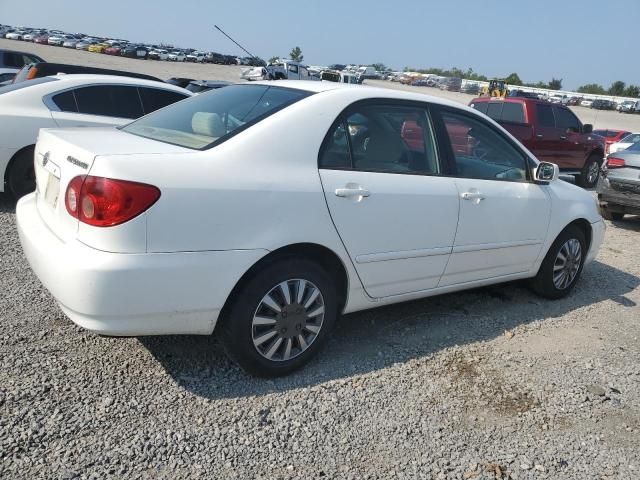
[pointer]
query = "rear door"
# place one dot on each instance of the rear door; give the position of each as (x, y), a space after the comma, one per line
(503, 216)
(96, 105)
(391, 204)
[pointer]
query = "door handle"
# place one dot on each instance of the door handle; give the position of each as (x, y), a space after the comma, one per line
(352, 192)
(539, 136)
(563, 137)
(473, 196)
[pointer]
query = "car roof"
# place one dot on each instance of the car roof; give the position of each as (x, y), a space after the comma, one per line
(88, 78)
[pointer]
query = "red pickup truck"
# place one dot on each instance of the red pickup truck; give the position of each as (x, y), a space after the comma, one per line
(551, 132)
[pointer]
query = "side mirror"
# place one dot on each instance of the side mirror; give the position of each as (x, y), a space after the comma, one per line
(546, 172)
(587, 128)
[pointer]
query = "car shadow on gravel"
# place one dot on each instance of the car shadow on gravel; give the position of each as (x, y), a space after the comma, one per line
(375, 339)
(629, 222)
(7, 203)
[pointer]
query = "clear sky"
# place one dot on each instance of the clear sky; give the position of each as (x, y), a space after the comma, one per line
(579, 41)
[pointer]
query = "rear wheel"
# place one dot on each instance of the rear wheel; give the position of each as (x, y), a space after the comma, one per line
(21, 177)
(280, 318)
(562, 265)
(588, 178)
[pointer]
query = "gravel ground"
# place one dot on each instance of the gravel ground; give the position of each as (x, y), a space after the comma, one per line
(493, 383)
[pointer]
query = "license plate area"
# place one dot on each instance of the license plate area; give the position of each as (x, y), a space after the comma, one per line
(51, 183)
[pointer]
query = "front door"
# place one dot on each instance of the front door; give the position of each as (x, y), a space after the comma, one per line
(394, 212)
(503, 215)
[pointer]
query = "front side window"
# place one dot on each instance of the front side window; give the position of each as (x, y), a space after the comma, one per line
(382, 138)
(207, 119)
(293, 68)
(481, 152)
(566, 120)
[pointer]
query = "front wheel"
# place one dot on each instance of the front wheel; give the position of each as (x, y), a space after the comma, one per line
(280, 318)
(590, 173)
(562, 265)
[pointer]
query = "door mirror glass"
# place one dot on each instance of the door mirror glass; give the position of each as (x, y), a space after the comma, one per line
(587, 128)
(547, 172)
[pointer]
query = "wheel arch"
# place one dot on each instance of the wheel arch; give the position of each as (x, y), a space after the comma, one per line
(596, 151)
(585, 226)
(13, 159)
(324, 256)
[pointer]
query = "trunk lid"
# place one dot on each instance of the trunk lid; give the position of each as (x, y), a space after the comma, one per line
(63, 154)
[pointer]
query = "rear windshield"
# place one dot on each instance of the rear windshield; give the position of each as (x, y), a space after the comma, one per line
(633, 138)
(502, 111)
(212, 117)
(17, 86)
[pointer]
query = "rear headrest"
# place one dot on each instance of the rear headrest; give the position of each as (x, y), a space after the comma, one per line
(209, 124)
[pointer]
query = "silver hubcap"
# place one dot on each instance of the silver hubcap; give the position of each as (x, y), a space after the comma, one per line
(288, 320)
(567, 264)
(593, 172)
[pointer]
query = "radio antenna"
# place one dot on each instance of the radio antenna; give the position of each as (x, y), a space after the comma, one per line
(244, 49)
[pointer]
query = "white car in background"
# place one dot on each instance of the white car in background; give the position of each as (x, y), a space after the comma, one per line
(196, 57)
(68, 101)
(586, 102)
(176, 56)
(625, 143)
(17, 35)
(159, 54)
(29, 37)
(195, 215)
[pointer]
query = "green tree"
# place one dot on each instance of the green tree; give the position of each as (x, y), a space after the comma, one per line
(555, 84)
(274, 59)
(296, 54)
(380, 67)
(592, 88)
(632, 91)
(617, 88)
(513, 79)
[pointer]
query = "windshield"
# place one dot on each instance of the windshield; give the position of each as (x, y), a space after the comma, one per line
(633, 138)
(210, 118)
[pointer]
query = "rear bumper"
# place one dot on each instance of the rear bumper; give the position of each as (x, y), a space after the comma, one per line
(131, 294)
(624, 199)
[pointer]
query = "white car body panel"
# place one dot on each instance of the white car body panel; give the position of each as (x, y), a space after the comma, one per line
(221, 210)
(23, 112)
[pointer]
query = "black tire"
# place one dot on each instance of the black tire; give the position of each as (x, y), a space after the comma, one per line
(236, 325)
(609, 215)
(594, 161)
(543, 283)
(21, 177)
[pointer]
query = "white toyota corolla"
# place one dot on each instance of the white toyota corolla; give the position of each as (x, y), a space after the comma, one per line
(269, 209)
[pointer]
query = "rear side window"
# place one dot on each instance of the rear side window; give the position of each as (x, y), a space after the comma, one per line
(154, 98)
(65, 101)
(382, 138)
(210, 118)
(109, 101)
(544, 114)
(566, 120)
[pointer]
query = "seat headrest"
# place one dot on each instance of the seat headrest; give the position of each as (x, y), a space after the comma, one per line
(209, 124)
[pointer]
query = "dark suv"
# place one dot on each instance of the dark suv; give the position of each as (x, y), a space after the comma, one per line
(552, 132)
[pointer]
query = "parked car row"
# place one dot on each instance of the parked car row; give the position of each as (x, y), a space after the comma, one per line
(121, 47)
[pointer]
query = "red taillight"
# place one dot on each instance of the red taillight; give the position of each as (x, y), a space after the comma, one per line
(105, 202)
(613, 162)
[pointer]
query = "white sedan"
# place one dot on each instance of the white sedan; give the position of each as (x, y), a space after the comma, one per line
(176, 57)
(68, 101)
(624, 143)
(199, 215)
